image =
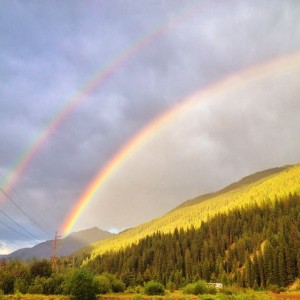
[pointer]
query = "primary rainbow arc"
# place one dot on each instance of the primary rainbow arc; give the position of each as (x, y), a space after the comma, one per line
(231, 82)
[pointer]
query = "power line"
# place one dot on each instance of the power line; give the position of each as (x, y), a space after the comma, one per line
(16, 205)
(7, 216)
(20, 233)
(32, 211)
(12, 229)
(33, 221)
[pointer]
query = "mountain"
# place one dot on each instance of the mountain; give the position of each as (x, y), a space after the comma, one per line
(66, 246)
(254, 246)
(239, 184)
(265, 186)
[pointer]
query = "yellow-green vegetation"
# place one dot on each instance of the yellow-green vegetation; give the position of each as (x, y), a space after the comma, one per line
(34, 297)
(267, 189)
(237, 295)
(242, 295)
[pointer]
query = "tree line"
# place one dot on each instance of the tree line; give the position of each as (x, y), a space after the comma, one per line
(254, 246)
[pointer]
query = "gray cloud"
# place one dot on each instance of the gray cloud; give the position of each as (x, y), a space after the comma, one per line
(50, 50)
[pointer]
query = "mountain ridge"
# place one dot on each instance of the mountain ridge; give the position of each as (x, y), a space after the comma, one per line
(66, 246)
(260, 175)
(259, 187)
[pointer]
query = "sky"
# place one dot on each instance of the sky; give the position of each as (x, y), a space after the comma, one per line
(157, 54)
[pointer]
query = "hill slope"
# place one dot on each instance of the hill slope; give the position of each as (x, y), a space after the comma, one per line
(239, 184)
(66, 246)
(252, 247)
(263, 187)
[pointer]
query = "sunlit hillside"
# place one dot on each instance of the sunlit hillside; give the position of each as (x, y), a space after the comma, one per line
(265, 188)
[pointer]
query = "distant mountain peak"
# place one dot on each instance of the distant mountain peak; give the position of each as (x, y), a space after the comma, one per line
(66, 246)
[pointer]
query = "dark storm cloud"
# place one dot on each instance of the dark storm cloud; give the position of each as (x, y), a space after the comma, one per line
(50, 50)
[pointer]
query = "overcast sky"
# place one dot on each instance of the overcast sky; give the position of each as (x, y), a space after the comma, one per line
(49, 50)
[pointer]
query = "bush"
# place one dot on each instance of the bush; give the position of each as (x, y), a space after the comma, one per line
(211, 290)
(102, 283)
(117, 286)
(196, 288)
(37, 286)
(139, 289)
(227, 291)
(274, 288)
(171, 286)
(40, 268)
(20, 286)
(154, 288)
(82, 286)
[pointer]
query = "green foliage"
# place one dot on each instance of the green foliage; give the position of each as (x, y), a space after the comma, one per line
(37, 286)
(171, 286)
(274, 288)
(211, 290)
(82, 286)
(102, 284)
(6, 282)
(117, 286)
(207, 297)
(196, 288)
(20, 285)
(41, 268)
(227, 291)
(154, 288)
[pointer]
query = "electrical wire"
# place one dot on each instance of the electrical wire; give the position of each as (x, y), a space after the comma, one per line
(16, 205)
(12, 229)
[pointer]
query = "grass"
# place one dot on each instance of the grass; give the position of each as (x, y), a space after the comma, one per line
(241, 295)
(34, 297)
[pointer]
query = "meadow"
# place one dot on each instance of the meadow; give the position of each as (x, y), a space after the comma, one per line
(242, 295)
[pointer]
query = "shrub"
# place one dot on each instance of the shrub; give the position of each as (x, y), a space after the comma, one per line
(171, 286)
(196, 288)
(189, 289)
(83, 287)
(227, 291)
(139, 289)
(40, 268)
(102, 283)
(37, 286)
(274, 288)
(20, 286)
(117, 286)
(200, 287)
(154, 288)
(211, 290)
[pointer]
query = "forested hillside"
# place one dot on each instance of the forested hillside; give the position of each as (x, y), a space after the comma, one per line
(263, 189)
(252, 246)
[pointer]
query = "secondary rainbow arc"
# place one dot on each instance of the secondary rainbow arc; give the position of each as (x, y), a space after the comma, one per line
(37, 143)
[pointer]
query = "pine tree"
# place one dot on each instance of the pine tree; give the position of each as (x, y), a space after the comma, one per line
(188, 264)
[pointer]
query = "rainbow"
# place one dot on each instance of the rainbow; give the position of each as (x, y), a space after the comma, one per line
(232, 82)
(24, 159)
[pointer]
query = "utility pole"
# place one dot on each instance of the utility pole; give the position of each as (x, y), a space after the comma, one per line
(53, 257)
